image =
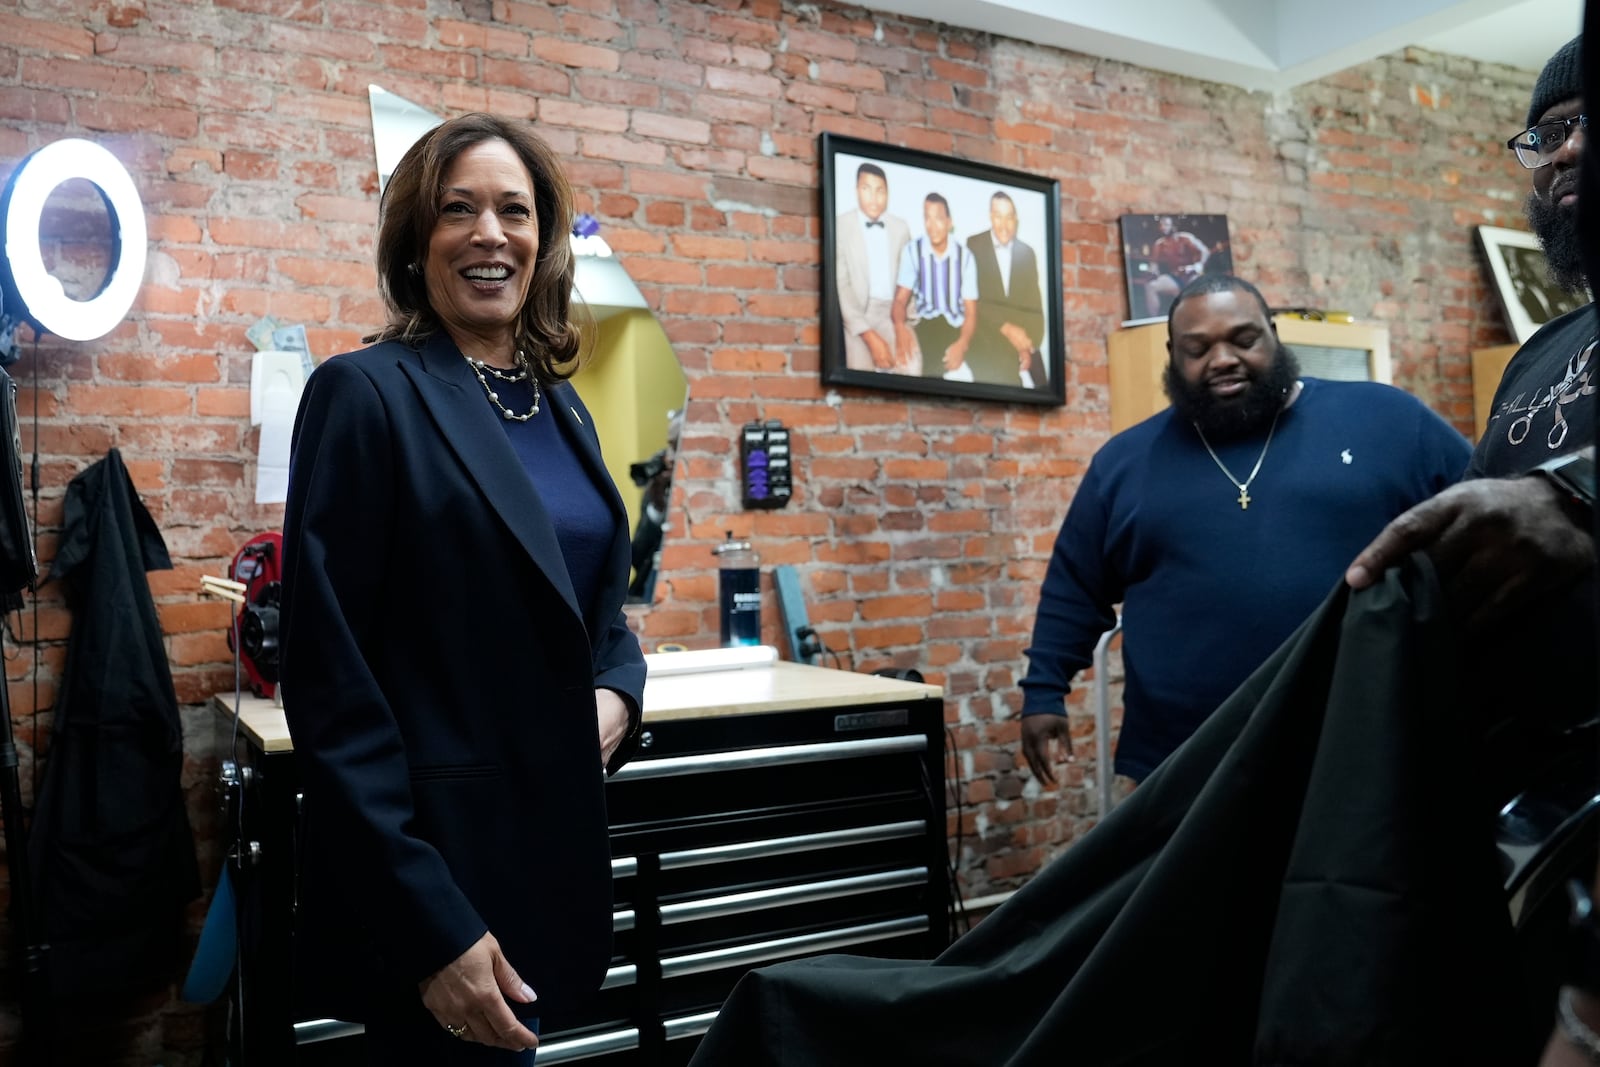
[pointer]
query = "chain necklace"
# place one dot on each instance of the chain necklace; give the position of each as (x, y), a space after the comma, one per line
(1244, 486)
(521, 374)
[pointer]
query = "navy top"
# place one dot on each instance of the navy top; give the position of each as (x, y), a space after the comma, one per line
(579, 513)
(1208, 589)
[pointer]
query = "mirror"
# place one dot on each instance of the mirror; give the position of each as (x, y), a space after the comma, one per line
(631, 383)
(80, 247)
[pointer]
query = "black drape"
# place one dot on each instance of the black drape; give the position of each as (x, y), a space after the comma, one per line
(1310, 880)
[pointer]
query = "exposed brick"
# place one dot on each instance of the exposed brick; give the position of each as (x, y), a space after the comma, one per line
(61, 72)
(159, 368)
(45, 35)
(744, 83)
(570, 54)
(297, 10)
(534, 16)
(671, 127)
(603, 119)
(622, 149)
(31, 106)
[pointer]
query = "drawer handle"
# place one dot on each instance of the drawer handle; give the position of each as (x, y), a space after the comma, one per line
(582, 1048)
(777, 756)
(778, 846)
(627, 974)
(763, 951)
(782, 896)
(689, 1025)
(314, 1030)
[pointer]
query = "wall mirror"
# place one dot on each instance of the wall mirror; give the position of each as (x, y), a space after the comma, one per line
(632, 382)
(82, 246)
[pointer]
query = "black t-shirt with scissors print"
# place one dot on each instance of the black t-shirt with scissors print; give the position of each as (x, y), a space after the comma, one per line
(1544, 406)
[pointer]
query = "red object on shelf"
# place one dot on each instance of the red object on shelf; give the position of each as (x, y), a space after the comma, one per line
(259, 567)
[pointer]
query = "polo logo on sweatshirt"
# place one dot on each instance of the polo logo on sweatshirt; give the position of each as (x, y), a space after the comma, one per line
(1346, 457)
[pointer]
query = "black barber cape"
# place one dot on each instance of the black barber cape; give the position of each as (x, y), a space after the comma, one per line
(113, 855)
(1310, 880)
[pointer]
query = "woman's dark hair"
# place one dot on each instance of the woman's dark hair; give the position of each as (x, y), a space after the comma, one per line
(410, 207)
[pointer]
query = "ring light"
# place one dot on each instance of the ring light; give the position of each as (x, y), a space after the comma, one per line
(44, 301)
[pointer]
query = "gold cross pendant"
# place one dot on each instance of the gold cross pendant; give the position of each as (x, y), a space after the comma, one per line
(1244, 498)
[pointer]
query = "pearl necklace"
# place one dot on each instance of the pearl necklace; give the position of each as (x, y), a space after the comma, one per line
(484, 371)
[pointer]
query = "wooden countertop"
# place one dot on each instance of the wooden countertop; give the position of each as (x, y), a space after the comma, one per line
(784, 686)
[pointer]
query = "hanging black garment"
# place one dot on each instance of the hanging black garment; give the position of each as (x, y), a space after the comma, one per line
(1310, 880)
(113, 855)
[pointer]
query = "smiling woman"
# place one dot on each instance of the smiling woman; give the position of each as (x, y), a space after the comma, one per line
(449, 727)
(629, 376)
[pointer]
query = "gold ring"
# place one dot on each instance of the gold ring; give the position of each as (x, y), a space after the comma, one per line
(456, 1031)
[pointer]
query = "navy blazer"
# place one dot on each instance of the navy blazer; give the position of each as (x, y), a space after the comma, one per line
(438, 681)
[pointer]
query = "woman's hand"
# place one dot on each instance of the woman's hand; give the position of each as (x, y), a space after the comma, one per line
(471, 992)
(613, 716)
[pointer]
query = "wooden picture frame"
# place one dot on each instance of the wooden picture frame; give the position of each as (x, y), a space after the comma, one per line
(998, 273)
(1522, 281)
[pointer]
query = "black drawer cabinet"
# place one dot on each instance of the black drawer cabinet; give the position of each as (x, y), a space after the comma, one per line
(741, 835)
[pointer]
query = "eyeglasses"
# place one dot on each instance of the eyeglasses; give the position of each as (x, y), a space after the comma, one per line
(1536, 145)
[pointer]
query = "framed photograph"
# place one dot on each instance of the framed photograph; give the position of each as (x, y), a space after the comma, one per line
(1163, 253)
(1522, 280)
(939, 276)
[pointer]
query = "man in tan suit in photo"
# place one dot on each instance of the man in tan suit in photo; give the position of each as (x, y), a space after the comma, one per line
(867, 248)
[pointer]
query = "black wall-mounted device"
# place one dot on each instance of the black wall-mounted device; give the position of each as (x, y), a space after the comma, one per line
(766, 473)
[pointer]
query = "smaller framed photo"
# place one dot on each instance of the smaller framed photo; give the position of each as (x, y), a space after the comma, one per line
(1163, 253)
(1522, 280)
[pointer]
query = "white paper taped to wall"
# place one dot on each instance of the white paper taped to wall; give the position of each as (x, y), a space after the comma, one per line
(276, 381)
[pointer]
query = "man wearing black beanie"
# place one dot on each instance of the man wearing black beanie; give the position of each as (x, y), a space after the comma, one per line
(1576, 1041)
(1515, 541)
(1504, 540)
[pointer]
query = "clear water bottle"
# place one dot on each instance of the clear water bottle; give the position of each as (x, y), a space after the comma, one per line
(739, 581)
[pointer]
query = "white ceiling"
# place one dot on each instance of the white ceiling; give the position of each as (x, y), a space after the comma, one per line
(1267, 44)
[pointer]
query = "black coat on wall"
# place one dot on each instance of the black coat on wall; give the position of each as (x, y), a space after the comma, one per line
(113, 855)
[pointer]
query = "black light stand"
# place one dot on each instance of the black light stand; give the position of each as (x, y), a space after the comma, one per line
(19, 575)
(28, 298)
(25, 918)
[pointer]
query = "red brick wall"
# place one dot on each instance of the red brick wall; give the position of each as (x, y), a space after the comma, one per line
(920, 528)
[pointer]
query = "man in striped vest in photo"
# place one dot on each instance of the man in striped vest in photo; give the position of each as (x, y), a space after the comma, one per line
(936, 298)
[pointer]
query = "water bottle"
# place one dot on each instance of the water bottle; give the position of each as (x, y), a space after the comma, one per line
(739, 581)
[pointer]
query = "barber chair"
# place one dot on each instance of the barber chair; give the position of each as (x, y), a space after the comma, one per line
(1548, 833)
(1103, 774)
(1549, 836)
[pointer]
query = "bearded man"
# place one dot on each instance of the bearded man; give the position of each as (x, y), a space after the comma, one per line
(1220, 523)
(1542, 408)
(1514, 545)
(1516, 535)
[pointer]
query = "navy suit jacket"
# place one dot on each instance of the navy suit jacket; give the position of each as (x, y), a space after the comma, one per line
(438, 680)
